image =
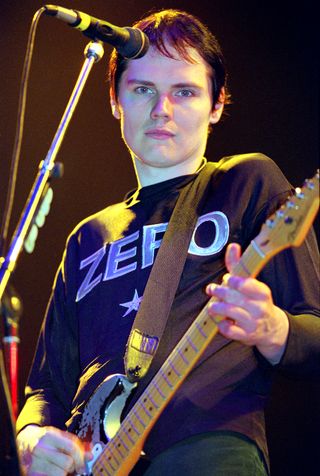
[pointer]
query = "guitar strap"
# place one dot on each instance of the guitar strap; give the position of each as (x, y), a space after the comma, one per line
(164, 278)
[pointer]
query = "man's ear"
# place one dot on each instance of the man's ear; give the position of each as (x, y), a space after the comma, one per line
(114, 106)
(217, 111)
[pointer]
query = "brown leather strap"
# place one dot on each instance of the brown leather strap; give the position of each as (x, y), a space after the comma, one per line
(164, 278)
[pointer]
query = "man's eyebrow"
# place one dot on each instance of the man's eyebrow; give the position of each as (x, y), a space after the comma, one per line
(188, 84)
(140, 81)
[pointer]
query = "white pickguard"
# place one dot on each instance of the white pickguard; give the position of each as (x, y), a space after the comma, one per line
(101, 417)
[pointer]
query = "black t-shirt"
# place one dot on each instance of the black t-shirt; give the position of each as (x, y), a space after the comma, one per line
(101, 281)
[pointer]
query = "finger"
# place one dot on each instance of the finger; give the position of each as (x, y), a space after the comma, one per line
(88, 456)
(210, 289)
(230, 296)
(79, 452)
(49, 461)
(256, 308)
(66, 443)
(250, 287)
(238, 316)
(232, 256)
(231, 330)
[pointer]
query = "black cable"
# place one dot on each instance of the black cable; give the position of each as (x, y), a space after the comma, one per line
(19, 133)
(9, 460)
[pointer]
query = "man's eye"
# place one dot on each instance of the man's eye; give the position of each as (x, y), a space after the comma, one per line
(185, 93)
(143, 90)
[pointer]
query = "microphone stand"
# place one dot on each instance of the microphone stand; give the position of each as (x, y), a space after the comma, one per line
(11, 310)
(93, 53)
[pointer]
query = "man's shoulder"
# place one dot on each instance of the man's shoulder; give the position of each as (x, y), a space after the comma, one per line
(102, 224)
(253, 160)
(254, 167)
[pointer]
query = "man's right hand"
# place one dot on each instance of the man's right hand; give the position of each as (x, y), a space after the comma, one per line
(48, 451)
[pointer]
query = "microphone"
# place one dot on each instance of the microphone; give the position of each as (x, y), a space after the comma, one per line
(130, 43)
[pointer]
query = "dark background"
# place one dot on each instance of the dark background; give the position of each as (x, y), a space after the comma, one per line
(273, 65)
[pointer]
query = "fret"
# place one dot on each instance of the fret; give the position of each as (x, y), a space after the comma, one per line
(112, 448)
(100, 466)
(145, 409)
(245, 272)
(108, 459)
(132, 426)
(183, 357)
(142, 423)
(178, 374)
(102, 469)
(188, 346)
(121, 442)
(117, 447)
(124, 438)
(128, 434)
(148, 396)
(164, 376)
(177, 362)
(192, 344)
(156, 386)
(251, 261)
(199, 327)
(196, 338)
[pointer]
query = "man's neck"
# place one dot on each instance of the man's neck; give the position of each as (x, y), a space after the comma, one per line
(148, 175)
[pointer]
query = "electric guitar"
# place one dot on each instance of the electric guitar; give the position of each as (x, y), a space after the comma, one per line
(117, 445)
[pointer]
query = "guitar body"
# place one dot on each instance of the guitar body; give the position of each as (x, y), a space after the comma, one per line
(101, 417)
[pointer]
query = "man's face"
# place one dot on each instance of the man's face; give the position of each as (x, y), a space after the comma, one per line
(165, 108)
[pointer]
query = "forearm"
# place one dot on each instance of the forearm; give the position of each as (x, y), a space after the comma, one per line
(301, 358)
(275, 348)
(42, 409)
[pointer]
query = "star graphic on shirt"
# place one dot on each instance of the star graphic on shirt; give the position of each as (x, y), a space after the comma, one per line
(132, 305)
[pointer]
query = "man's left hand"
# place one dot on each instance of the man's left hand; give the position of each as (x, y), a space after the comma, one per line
(250, 315)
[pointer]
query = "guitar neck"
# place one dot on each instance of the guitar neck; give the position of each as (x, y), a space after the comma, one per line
(144, 414)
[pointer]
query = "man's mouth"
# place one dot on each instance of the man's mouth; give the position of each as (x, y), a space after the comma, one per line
(159, 134)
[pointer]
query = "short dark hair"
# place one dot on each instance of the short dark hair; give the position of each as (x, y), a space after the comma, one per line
(181, 30)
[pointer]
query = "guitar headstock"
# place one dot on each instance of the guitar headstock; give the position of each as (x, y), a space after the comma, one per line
(292, 221)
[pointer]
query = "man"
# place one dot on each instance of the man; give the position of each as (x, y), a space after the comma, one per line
(166, 102)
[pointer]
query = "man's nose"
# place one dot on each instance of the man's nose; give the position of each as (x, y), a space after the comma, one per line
(162, 107)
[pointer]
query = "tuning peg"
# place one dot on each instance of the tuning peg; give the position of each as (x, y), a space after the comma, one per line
(309, 184)
(299, 193)
(270, 223)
